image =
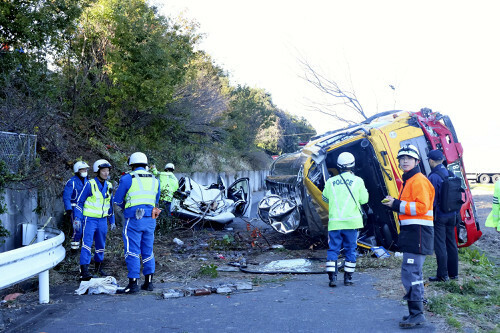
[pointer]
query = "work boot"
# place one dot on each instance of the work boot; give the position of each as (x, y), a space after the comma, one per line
(416, 317)
(131, 288)
(348, 279)
(84, 273)
(332, 269)
(333, 279)
(349, 268)
(438, 278)
(98, 269)
(148, 283)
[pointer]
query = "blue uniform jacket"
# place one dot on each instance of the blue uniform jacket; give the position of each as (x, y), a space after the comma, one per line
(436, 182)
(121, 192)
(72, 190)
(87, 192)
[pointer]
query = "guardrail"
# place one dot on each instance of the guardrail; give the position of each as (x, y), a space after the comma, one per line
(25, 262)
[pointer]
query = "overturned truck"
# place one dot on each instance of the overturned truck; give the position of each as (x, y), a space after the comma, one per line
(296, 180)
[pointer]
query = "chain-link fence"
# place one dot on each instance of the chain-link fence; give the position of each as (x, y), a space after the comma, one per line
(17, 151)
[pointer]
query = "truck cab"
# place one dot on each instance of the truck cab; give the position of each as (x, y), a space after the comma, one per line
(374, 144)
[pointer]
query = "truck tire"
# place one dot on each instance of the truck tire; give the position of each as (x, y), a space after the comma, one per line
(484, 178)
(495, 178)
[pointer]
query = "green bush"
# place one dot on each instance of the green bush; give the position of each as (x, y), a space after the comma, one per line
(4, 177)
(209, 270)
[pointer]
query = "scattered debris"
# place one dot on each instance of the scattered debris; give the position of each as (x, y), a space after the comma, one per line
(244, 286)
(228, 269)
(290, 266)
(178, 241)
(171, 293)
(380, 252)
(202, 292)
(224, 290)
(11, 297)
(207, 290)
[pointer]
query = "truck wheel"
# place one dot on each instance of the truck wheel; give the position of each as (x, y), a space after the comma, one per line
(484, 178)
(495, 178)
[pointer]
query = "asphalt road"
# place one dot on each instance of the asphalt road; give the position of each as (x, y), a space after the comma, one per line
(304, 303)
(300, 303)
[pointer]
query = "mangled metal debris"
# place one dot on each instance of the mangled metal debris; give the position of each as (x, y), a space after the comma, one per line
(214, 203)
(281, 214)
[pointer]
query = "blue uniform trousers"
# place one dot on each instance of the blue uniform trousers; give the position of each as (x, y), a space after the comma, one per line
(337, 238)
(94, 229)
(138, 239)
(412, 276)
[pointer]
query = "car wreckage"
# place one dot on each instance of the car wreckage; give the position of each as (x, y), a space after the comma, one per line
(213, 203)
(296, 181)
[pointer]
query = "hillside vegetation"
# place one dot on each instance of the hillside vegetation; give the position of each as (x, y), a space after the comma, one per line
(102, 79)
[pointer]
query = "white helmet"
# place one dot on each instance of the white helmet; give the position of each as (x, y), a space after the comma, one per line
(99, 164)
(409, 150)
(138, 158)
(169, 166)
(345, 160)
(80, 165)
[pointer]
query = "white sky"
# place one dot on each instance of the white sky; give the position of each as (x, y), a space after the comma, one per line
(444, 55)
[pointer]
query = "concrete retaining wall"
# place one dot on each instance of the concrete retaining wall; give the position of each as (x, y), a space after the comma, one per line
(257, 178)
(20, 205)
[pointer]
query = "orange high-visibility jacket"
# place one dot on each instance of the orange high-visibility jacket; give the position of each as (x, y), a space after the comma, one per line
(415, 205)
(417, 200)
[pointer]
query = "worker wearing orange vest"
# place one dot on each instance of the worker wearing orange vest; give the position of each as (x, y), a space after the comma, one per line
(416, 236)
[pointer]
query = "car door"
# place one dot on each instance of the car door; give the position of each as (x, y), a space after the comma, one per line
(239, 191)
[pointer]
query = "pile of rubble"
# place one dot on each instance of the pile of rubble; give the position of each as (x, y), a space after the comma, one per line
(225, 289)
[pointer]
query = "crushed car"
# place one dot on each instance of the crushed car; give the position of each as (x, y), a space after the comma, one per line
(296, 181)
(215, 203)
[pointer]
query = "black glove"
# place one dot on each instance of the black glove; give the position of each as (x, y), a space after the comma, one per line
(69, 212)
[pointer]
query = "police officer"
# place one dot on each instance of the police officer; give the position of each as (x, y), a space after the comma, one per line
(493, 219)
(72, 190)
(138, 193)
(445, 244)
(344, 193)
(95, 210)
(169, 184)
(416, 236)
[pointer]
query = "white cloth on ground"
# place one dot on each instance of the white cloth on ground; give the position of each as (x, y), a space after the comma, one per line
(107, 285)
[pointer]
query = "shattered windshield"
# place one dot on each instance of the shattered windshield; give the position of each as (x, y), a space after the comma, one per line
(288, 164)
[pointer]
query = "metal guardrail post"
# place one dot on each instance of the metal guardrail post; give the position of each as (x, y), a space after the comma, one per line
(32, 260)
(43, 277)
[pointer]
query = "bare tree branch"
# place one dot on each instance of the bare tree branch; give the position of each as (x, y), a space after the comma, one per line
(332, 89)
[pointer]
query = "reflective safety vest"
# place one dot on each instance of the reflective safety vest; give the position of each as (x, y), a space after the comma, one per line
(493, 219)
(417, 200)
(344, 210)
(96, 205)
(169, 184)
(143, 189)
